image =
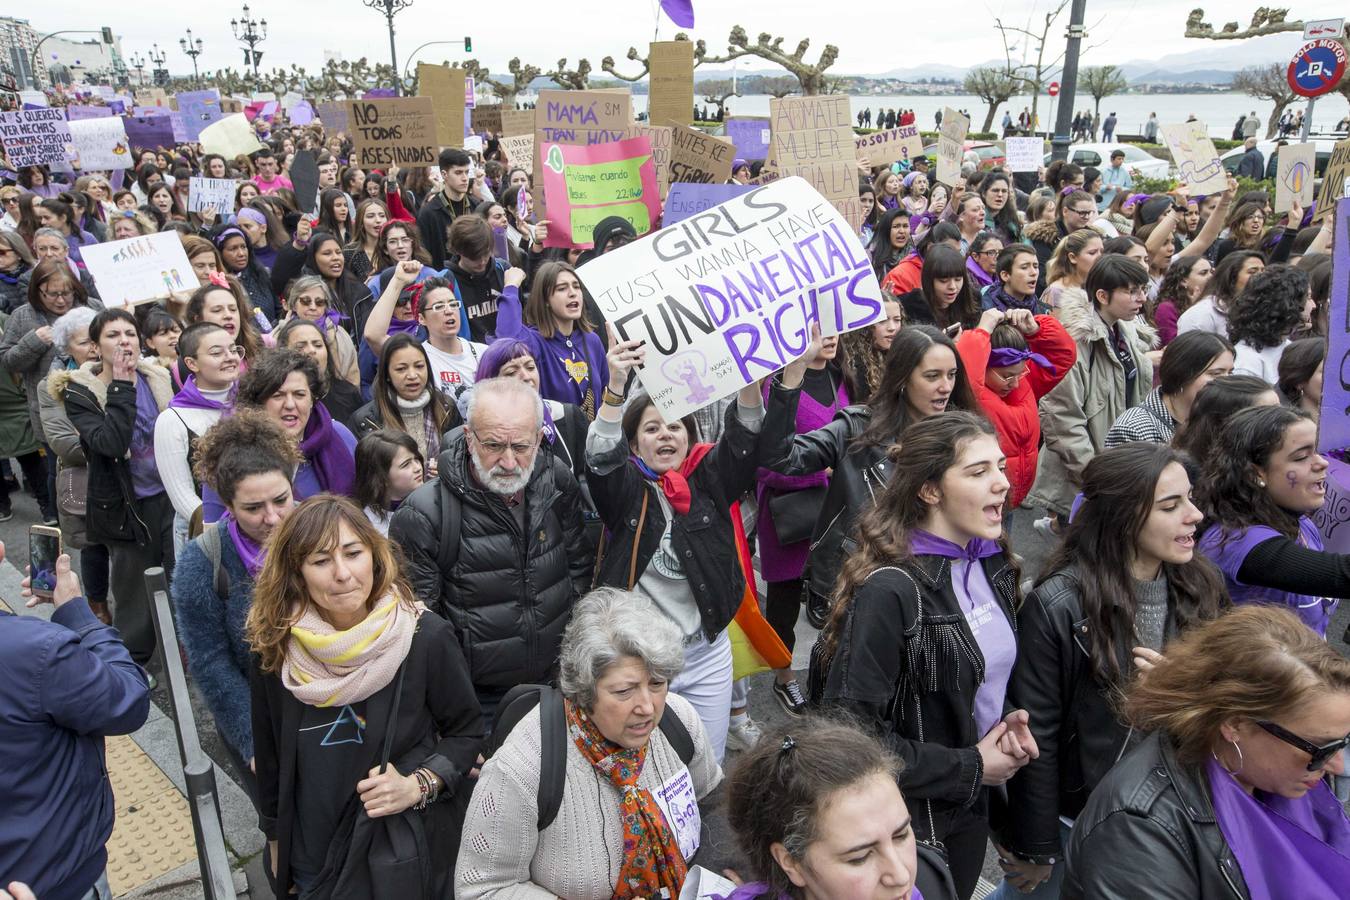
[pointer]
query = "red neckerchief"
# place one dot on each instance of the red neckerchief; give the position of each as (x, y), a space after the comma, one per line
(675, 483)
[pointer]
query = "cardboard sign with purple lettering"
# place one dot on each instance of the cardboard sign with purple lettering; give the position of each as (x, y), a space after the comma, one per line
(685, 200)
(729, 296)
(1334, 431)
(1333, 519)
(35, 137)
(585, 185)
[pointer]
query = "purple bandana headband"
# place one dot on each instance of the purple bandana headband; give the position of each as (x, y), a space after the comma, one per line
(1011, 356)
(250, 215)
(1133, 199)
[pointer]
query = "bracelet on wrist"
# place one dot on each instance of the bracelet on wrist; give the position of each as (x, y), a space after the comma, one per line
(614, 399)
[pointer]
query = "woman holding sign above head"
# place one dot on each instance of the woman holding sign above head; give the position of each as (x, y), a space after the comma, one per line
(667, 504)
(563, 341)
(924, 376)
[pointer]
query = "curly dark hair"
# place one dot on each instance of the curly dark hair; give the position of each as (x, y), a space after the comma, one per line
(1268, 311)
(1229, 492)
(246, 443)
(1173, 285)
(269, 373)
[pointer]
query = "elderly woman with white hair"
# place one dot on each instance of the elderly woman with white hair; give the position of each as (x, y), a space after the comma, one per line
(637, 761)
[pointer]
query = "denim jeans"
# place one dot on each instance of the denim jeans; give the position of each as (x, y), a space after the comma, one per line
(101, 889)
(1046, 890)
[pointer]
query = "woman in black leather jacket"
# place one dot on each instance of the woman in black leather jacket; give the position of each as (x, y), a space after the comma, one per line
(922, 636)
(1103, 601)
(923, 376)
(1227, 798)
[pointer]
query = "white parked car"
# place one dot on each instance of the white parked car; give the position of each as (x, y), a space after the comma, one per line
(1269, 149)
(1139, 162)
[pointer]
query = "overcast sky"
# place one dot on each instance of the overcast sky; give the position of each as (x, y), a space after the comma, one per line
(870, 39)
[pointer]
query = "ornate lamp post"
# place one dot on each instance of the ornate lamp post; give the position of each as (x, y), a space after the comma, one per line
(390, 8)
(193, 49)
(251, 32)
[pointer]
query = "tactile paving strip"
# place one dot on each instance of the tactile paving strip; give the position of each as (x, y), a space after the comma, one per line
(153, 832)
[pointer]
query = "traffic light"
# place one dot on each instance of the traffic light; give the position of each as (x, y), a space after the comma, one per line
(468, 44)
(107, 35)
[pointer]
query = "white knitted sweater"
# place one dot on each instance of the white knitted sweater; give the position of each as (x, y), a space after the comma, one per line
(578, 857)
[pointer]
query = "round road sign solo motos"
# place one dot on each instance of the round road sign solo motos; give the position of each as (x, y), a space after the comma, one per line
(1317, 68)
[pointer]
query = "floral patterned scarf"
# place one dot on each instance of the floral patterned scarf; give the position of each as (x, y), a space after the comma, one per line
(651, 859)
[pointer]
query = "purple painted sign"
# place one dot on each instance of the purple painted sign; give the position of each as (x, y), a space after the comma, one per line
(75, 113)
(1335, 418)
(751, 137)
(149, 132)
(378, 94)
(199, 109)
(685, 200)
(302, 113)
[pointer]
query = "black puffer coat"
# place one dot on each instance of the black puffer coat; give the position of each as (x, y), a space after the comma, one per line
(860, 474)
(508, 595)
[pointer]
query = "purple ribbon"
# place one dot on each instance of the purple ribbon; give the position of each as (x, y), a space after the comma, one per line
(1011, 356)
(251, 554)
(923, 543)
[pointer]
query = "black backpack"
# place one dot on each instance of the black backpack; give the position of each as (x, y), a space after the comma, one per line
(553, 739)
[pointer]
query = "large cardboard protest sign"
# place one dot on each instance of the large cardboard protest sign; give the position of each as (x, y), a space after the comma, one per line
(585, 185)
(1334, 180)
(1294, 175)
(882, 147)
(1333, 518)
(699, 158)
(139, 269)
(333, 115)
(728, 296)
(444, 87)
(155, 131)
(812, 137)
(394, 132)
(519, 151)
(199, 109)
(751, 137)
(660, 138)
(579, 118)
(75, 113)
(685, 200)
(951, 140)
(35, 137)
(487, 118)
(1197, 161)
(1334, 428)
(216, 194)
(1025, 154)
(230, 136)
(100, 144)
(671, 82)
(517, 122)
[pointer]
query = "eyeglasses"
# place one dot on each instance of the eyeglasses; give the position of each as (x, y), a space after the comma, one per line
(989, 252)
(1320, 754)
(497, 448)
(9, 200)
(57, 295)
(443, 308)
(398, 241)
(1083, 212)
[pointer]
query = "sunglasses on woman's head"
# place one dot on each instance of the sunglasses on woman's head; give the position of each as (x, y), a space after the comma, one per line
(1320, 754)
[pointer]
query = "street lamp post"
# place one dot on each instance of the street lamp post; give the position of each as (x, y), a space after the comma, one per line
(138, 63)
(390, 8)
(251, 32)
(193, 49)
(161, 74)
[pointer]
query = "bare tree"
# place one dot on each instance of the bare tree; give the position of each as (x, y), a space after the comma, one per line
(811, 78)
(779, 86)
(607, 64)
(578, 79)
(991, 85)
(718, 92)
(1268, 82)
(1102, 82)
(1264, 21)
(1032, 76)
(521, 76)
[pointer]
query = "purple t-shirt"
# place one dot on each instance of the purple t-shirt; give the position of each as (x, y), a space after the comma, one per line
(144, 474)
(993, 633)
(1229, 549)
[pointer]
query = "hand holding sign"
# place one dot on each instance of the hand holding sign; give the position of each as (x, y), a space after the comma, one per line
(795, 372)
(623, 357)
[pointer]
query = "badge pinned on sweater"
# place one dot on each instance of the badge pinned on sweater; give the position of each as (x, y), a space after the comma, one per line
(680, 807)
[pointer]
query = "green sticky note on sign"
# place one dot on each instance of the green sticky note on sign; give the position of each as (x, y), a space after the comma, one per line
(585, 218)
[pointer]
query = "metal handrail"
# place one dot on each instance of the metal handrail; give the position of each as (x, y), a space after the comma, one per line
(198, 770)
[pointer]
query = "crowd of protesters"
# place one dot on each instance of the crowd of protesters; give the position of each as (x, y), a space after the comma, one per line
(449, 582)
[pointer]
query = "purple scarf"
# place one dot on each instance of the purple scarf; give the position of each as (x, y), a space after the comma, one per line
(190, 397)
(250, 553)
(982, 278)
(1286, 849)
(760, 890)
(332, 461)
(1011, 356)
(923, 543)
(403, 326)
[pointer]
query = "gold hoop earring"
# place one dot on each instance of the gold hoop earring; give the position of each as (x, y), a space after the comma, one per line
(1241, 761)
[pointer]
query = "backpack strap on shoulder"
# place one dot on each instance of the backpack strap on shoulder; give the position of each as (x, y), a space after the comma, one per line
(553, 755)
(681, 741)
(211, 546)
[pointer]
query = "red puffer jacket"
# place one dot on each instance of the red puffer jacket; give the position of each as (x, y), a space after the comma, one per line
(1015, 416)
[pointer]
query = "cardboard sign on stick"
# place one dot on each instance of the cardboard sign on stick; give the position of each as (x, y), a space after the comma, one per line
(392, 132)
(729, 297)
(813, 139)
(445, 87)
(671, 82)
(1196, 159)
(699, 158)
(585, 185)
(951, 140)
(884, 147)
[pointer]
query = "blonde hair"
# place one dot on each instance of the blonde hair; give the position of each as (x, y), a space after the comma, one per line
(1073, 243)
(281, 595)
(1256, 662)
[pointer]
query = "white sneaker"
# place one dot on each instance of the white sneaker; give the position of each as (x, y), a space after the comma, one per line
(744, 735)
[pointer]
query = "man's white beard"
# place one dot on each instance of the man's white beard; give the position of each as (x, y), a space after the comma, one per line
(498, 483)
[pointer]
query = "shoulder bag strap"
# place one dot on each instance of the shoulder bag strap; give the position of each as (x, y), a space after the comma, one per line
(637, 539)
(393, 721)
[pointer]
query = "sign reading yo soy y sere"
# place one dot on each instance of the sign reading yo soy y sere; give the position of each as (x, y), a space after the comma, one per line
(390, 132)
(729, 295)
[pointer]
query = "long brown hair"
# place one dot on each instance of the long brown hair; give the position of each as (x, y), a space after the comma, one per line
(249, 339)
(931, 446)
(386, 398)
(280, 594)
(890, 409)
(1257, 662)
(537, 311)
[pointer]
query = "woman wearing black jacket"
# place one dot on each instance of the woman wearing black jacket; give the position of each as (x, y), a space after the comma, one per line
(1104, 602)
(320, 254)
(344, 654)
(945, 297)
(923, 376)
(656, 488)
(922, 636)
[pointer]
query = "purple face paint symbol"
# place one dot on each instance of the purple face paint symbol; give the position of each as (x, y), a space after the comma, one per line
(1293, 479)
(688, 368)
